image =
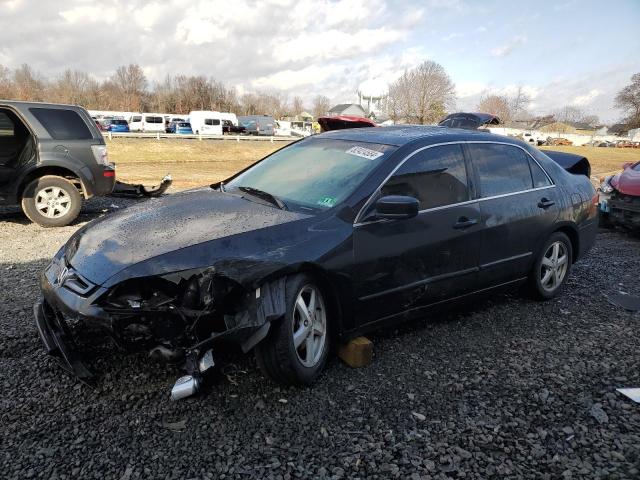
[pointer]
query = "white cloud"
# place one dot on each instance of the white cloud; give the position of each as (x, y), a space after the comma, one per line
(506, 49)
(287, 79)
(333, 44)
(147, 15)
(470, 89)
(92, 14)
(587, 98)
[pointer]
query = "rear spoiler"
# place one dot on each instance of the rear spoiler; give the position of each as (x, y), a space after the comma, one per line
(572, 163)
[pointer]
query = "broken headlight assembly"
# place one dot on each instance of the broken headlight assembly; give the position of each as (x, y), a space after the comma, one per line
(173, 309)
(606, 185)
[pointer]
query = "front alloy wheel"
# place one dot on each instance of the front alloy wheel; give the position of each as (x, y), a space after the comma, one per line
(309, 326)
(296, 349)
(51, 201)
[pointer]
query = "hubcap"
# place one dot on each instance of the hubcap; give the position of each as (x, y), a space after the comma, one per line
(554, 266)
(309, 326)
(53, 202)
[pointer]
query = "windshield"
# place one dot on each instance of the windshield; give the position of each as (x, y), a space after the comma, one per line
(315, 173)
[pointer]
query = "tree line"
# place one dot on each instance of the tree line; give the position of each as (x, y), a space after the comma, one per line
(420, 95)
(128, 89)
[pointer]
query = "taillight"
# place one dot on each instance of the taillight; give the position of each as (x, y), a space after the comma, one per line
(109, 173)
(100, 154)
(593, 207)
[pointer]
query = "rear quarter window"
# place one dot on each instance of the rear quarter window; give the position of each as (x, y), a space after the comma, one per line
(62, 124)
(7, 128)
(502, 169)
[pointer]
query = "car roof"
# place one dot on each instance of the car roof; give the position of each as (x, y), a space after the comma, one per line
(399, 135)
(21, 104)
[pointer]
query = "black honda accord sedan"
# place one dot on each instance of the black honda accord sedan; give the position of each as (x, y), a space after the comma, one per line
(329, 237)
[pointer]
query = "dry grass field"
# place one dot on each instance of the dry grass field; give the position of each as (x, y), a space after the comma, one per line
(192, 163)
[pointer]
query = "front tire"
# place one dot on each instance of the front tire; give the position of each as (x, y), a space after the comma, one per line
(552, 267)
(296, 349)
(51, 201)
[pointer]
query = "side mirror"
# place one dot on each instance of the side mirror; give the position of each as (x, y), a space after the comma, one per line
(397, 207)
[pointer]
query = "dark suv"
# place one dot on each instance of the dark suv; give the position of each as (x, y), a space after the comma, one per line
(50, 157)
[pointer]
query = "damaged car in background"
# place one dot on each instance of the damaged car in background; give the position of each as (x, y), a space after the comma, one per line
(325, 239)
(620, 198)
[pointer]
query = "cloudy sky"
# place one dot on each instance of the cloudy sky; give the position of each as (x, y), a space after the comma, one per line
(577, 52)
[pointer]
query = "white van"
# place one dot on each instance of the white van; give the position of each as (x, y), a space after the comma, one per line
(283, 128)
(152, 122)
(205, 122)
(135, 122)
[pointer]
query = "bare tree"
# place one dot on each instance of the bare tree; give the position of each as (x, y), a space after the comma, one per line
(131, 83)
(628, 100)
(321, 106)
(297, 106)
(570, 114)
(28, 85)
(422, 94)
(498, 105)
(6, 83)
(519, 103)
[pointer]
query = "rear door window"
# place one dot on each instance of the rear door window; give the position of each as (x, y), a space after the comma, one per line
(436, 176)
(7, 128)
(502, 169)
(62, 124)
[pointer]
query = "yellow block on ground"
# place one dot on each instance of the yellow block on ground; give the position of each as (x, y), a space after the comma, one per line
(357, 353)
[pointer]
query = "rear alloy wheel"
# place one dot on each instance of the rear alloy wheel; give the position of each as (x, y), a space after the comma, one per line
(296, 349)
(552, 267)
(51, 201)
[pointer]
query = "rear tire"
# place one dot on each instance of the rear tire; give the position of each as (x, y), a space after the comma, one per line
(51, 201)
(551, 268)
(306, 325)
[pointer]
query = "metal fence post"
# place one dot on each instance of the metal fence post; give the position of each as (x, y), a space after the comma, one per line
(110, 135)
(238, 138)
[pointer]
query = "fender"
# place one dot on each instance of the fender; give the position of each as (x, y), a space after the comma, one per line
(53, 166)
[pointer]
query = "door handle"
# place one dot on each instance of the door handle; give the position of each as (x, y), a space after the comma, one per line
(464, 222)
(545, 203)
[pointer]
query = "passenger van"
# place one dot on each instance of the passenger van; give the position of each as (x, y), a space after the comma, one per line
(205, 122)
(135, 122)
(258, 124)
(152, 122)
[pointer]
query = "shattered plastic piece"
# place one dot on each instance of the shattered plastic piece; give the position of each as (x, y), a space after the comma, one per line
(632, 393)
(598, 413)
(624, 300)
(132, 190)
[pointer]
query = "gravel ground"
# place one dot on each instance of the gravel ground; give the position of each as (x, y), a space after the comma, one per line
(509, 388)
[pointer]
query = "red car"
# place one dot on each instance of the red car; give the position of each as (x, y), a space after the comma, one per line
(340, 122)
(620, 198)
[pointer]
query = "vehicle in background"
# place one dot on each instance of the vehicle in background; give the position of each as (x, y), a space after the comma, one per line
(118, 125)
(258, 124)
(620, 198)
(469, 121)
(340, 122)
(181, 128)
(99, 125)
(173, 118)
(205, 122)
(558, 142)
(228, 116)
(135, 122)
(283, 128)
(51, 156)
(152, 122)
(379, 226)
(229, 128)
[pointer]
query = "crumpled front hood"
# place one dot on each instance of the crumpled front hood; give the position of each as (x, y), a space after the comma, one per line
(627, 182)
(162, 225)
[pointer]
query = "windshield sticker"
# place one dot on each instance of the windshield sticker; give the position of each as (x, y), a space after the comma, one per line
(327, 202)
(364, 153)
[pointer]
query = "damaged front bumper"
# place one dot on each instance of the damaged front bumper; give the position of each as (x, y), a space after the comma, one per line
(170, 331)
